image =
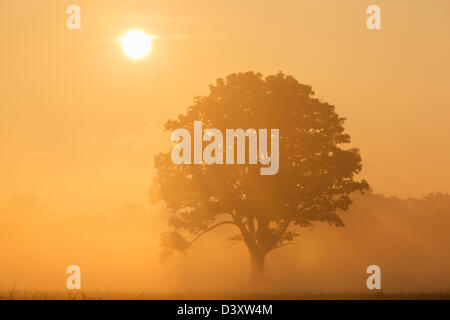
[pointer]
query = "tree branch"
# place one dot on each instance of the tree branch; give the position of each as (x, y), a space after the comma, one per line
(211, 228)
(284, 228)
(248, 238)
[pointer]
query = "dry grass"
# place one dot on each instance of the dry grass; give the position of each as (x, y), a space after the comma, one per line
(80, 295)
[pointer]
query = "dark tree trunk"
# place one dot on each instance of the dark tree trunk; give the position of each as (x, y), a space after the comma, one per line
(257, 271)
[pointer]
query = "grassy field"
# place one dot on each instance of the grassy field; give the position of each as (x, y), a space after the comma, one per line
(80, 295)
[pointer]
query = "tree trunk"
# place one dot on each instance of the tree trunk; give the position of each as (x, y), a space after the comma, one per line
(257, 283)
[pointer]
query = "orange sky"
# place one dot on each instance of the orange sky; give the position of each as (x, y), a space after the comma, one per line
(80, 122)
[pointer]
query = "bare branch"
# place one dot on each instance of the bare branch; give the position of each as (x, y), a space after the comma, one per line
(211, 228)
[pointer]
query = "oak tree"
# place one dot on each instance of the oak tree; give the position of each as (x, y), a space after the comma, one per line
(315, 179)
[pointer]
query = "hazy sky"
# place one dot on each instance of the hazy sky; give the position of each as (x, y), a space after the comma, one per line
(80, 122)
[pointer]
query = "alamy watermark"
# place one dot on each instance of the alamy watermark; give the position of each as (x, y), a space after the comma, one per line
(73, 282)
(73, 22)
(374, 20)
(374, 281)
(213, 153)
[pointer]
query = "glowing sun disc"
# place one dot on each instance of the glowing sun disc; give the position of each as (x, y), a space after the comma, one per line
(136, 44)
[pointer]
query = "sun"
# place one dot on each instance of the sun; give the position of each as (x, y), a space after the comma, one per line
(136, 44)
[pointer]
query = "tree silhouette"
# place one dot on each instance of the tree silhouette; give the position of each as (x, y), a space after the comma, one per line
(315, 175)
